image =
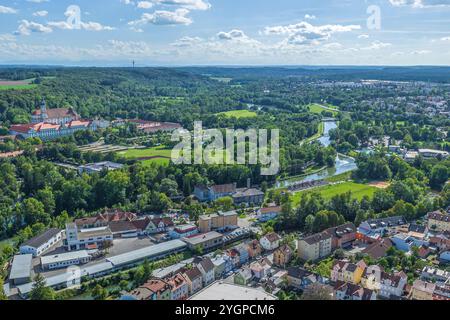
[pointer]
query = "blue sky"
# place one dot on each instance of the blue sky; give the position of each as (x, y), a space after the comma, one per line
(225, 32)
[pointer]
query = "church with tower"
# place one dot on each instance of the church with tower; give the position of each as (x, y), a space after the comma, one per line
(54, 116)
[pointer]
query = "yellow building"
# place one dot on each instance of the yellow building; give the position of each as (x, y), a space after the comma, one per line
(217, 221)
(438, 221)
(282, 256)
(348, 272)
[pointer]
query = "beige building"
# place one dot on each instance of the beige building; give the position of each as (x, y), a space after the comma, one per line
(422, 290)
(315, 246)
(217, 221)
(438, 221)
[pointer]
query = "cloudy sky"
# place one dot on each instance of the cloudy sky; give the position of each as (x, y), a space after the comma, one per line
(225, 32)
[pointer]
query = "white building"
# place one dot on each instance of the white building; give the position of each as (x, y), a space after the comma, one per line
(65, 260)
(270, 241)
(86, 238)
(206, 267)
(392, 284)
(42, 243)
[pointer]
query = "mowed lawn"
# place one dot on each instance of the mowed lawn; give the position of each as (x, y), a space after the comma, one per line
(19, 86)
(161, 154)
(358, 191)
(315, 108)
(239, 114)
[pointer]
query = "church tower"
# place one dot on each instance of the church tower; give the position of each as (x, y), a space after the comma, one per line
(44, 115)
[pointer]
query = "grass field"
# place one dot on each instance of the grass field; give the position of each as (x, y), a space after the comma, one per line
(239, 114)
(358, 191)
(315, 108)
(24, 86)
(161, 155)
(3, 243)
(159, 151)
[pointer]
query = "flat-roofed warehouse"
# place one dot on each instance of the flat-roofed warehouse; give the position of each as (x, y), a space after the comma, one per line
(158, 251)
(64, 260)
(226, 291)
(21, 269)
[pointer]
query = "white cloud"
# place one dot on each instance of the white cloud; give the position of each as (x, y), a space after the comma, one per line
(363, 36)
(162, 17)
(187, 42)
(144, 4)
(38, 1)
(445, 39)
(7, 37)
(306, 33)
(188, 4)
(310, 17)
(377, 45)
(27, 27)
(4, 9)
(420, 3)
(42, 13)
(420, 52)
(88, 26)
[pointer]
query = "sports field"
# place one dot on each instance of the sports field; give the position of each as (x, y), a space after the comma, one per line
(358, 191)
(239, 114)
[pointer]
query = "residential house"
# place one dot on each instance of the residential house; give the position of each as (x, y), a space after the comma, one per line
(348, 272)
(435, 275)
(194, 279)
(179, 287)
(349, 291)
(270, 241)
(183, 231)
(300, 278)
(282, 256)
(42, 243)
(222, 265)
(438, 221)
(269, 213)
(374, 229)
(371, 278)
(103, 219)
(392, 285)
(440, 240)
(405, 242)
(234, 257)
(212, 193)
(206, 267)
(315, 247)
(378, 249)
(159, 225)
(254, 249)
(422, 290)
(342, 236)
(243, 277)
(261, 269)
(154, 289)
(243, 253)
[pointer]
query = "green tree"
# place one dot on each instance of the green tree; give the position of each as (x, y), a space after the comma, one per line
(40, 291)
(99, 293)
(2, 293)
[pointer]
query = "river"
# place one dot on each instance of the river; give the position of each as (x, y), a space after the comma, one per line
(343, 163)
